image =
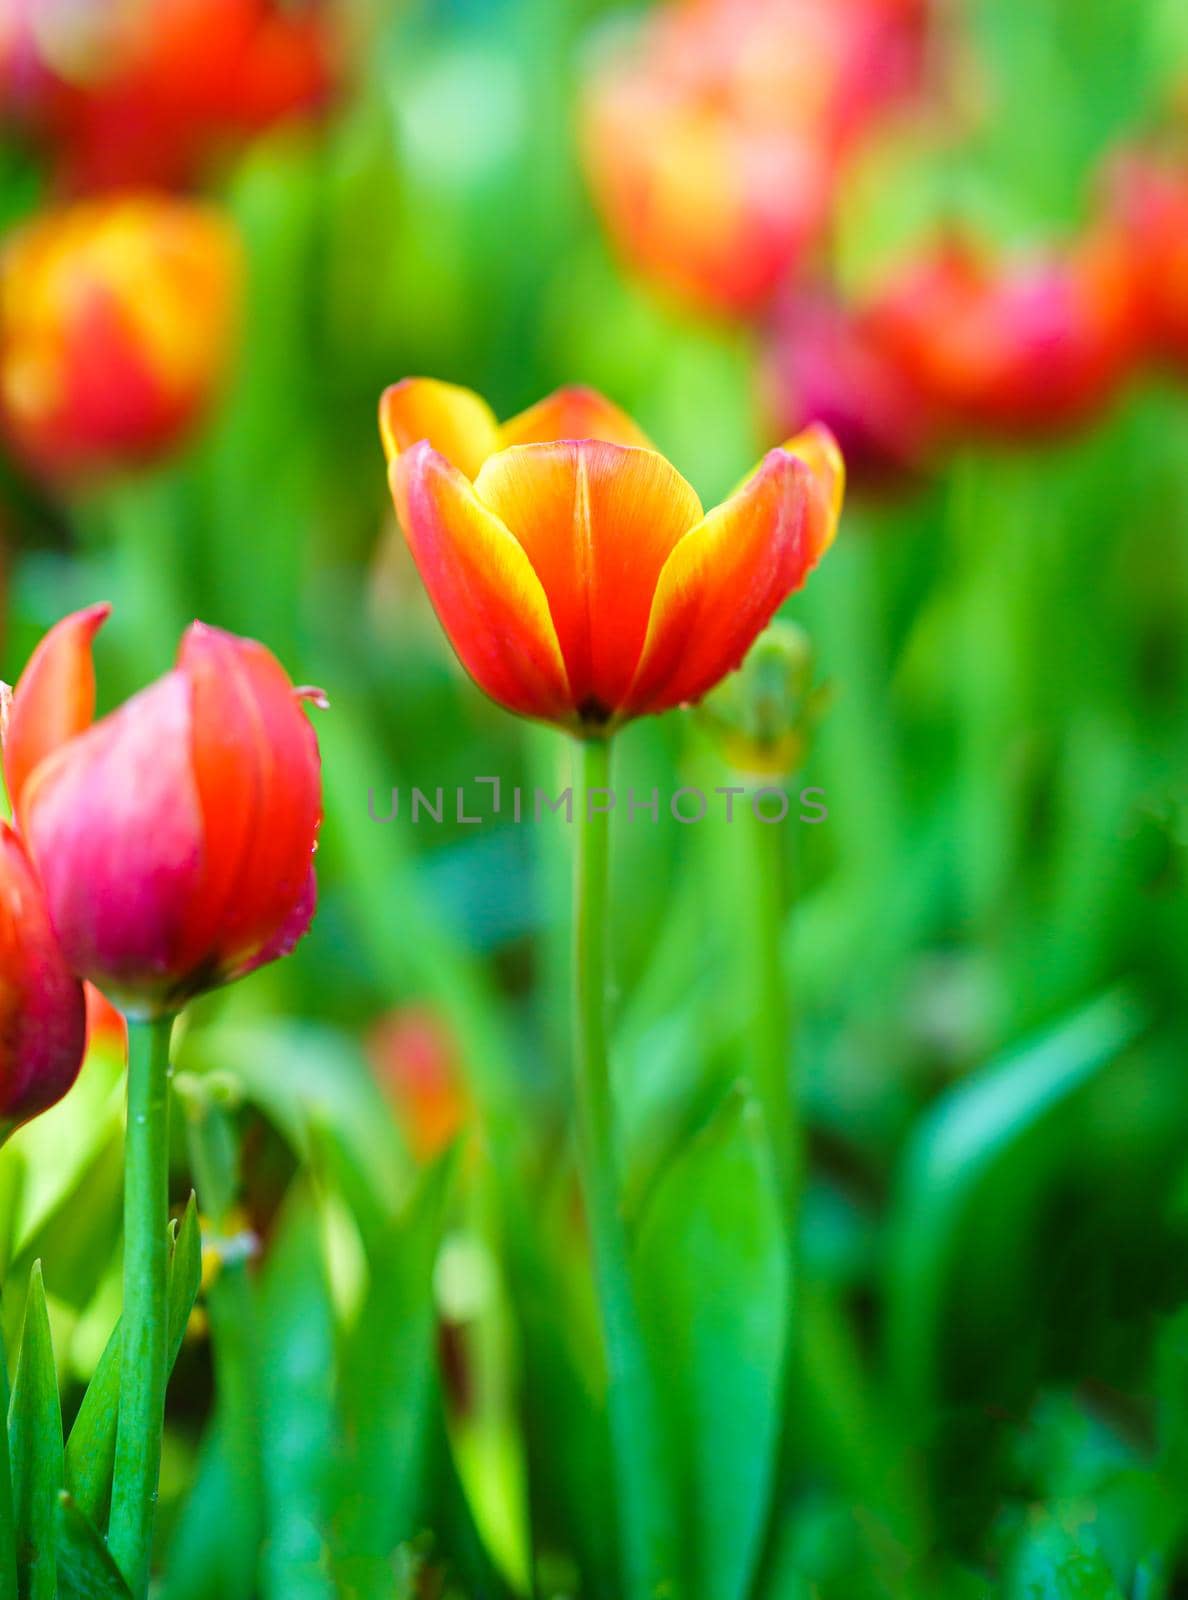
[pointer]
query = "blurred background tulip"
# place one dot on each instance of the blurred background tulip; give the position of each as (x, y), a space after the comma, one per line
(418, 1068)
(714, 139)
(1019, 347)
(824, 364)
(1146, 200)
(146, 92)
(116, 318)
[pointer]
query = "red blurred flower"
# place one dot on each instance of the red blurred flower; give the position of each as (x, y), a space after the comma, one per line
(574, 570)
(1146, 209)
(175, 837)
(824, 366)
(1027, 346)
(713, 147)
(416, 1062)
(115, 326)
(42, 1011)
(142, 92)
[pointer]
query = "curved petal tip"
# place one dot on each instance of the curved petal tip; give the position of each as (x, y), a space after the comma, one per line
(54, 698)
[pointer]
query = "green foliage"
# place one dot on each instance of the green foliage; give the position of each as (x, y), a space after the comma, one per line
(35, 1450)
(85, 1569)
(90, 1447)
(714, 1275)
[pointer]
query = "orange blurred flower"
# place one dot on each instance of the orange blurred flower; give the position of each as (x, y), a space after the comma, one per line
(713, 146)
(1031, 345)
(1146, 206)
(42, 1011)
(175, 837)
(143, 91)
(574, 569)
(116, 319)
(823, 365)
(417, 1065)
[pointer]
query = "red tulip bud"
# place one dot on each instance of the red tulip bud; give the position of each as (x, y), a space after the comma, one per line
(43, 1026)
(175, 838)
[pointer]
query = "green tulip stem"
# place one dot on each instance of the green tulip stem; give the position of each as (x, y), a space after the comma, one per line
(146, 1319)
(646, 1526)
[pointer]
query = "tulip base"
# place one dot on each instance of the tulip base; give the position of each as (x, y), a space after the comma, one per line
(144, 1339)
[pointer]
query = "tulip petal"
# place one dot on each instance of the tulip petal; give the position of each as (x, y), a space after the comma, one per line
(573, 413)
(257, 772)
(290, 933)
(113, 824)
(482, 585)
(458, 423)
(42, 1008)
(820, 452)
(725, 580)
(54, 698)
(598, 521)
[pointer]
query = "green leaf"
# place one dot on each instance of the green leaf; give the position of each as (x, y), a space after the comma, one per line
(714, 1283)
(569, 1468)
(86, 1570)
(195, 1567)
(90, 1451)
(969, 1135)
(298, 1421)
(35, 1447)
(8, 1567)
(389, 1378)
(315, 1087)
(77, 1237)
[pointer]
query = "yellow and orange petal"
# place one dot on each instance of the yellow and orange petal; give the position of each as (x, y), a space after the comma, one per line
(457, 422)
(725, 580)
(575, 412)
(597, 523)
(483, 587)
(461, 426)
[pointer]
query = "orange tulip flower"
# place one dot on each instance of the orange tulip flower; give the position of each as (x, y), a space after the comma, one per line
(116, 319)
(574, 569)
(43, 1025)
(175, 837)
